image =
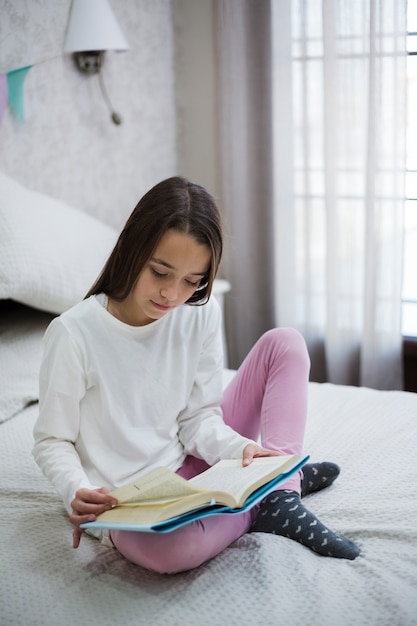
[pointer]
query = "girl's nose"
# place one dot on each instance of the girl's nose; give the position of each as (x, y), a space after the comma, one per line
(170, 292)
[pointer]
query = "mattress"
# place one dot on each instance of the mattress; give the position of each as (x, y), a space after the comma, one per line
(260, 578)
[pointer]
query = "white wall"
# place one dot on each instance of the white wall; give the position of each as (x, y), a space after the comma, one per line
(68, 147)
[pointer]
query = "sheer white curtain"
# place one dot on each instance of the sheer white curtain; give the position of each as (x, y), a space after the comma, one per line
(244, 64)
(339, 149)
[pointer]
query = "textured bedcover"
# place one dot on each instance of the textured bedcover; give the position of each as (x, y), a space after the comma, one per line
(260, 579)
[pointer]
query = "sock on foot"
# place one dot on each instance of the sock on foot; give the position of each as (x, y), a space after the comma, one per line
(282, 513)
(317, 476)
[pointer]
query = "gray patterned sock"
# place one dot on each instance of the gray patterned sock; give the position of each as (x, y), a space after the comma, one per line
(317, 476)
(282, 513)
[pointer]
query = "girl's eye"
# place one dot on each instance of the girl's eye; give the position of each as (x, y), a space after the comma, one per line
(161, 275)
(158, 274)
(192, 283)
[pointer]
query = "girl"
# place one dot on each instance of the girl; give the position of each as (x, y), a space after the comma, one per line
(131, 379)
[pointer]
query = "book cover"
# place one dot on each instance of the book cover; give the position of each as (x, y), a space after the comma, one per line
(162, 501)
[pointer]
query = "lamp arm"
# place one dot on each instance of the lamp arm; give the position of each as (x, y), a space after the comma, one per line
(114, 116)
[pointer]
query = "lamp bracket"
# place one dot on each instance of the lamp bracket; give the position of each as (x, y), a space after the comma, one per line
(89, 62)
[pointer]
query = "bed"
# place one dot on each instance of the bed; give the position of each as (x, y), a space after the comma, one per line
(259, 579)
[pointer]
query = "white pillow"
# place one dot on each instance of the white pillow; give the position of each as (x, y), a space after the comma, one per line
(50, 253)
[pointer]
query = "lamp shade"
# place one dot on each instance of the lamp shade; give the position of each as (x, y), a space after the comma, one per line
(93, 26)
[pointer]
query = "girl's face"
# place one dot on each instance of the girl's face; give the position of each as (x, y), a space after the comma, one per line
(171, 276)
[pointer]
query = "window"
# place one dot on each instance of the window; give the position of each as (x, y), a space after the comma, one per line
(409, 325)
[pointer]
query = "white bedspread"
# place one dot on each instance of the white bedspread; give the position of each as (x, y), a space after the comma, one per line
(260, 579)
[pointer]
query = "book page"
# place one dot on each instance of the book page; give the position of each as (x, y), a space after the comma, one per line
(230, 476)
(150, 513)
(160, 485)
(162, 495)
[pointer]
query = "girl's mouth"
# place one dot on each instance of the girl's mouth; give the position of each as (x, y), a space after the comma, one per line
(161, 307)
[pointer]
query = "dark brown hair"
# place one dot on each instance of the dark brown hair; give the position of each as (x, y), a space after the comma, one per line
(173, 204)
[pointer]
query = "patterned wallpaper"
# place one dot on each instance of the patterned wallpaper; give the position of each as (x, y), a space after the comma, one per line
(68, 146)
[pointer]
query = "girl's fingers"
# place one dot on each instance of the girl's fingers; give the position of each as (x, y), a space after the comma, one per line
(92, 501)
(87, 504)
(76, 536)
(77, 532)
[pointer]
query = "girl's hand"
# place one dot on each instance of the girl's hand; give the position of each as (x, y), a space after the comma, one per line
(87, 504)
(252, 450)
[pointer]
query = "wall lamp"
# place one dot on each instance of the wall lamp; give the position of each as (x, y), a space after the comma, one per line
(93, 29)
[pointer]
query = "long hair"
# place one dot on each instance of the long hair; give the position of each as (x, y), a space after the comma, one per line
(173, 204)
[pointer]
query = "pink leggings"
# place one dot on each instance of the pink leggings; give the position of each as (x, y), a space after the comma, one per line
(266, 398)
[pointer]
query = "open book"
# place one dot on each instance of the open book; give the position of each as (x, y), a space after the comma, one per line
(162, 501)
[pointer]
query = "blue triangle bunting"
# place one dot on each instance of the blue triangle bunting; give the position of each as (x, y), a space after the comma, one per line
(15, 80)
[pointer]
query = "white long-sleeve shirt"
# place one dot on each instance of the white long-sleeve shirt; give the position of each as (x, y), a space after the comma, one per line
(116, 401)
